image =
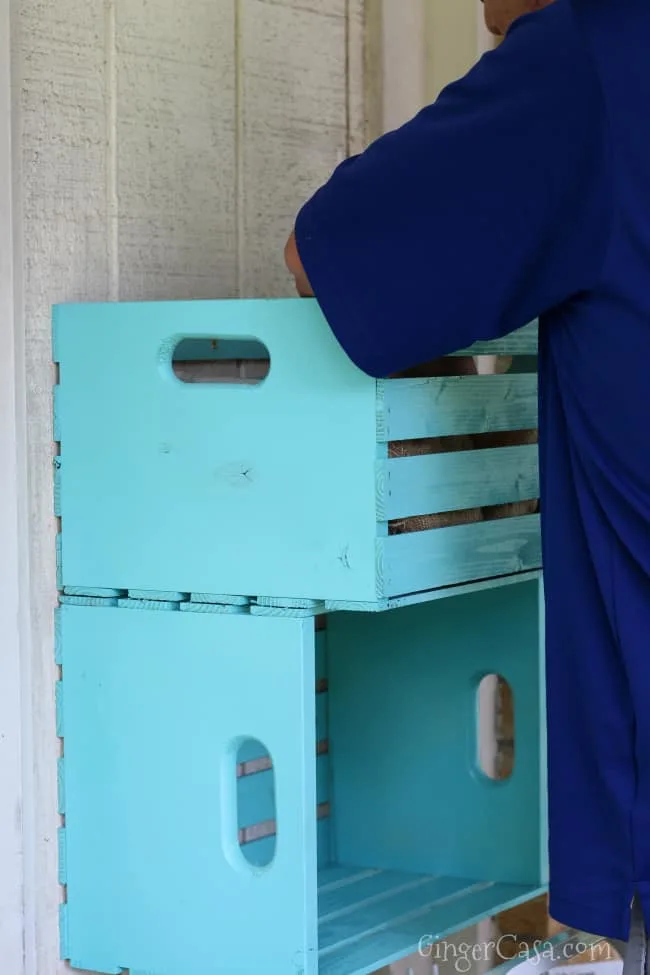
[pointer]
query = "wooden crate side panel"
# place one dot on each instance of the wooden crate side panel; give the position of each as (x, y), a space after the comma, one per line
(407, 788)
(163, 811)
(458, 554)
(408, 486)
(249, 490)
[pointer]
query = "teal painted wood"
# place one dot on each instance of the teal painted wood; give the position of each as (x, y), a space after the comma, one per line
(407, 791)
(410, 409)
(264, 491)
(524, 341)
(90, 591)
(371, 935)
(256, 801)
(409, 486)
(206, 597)
(218, 608)
(285, 611)
(156, 604)
(88, 600)
(60, 781)
(543, 745)
(271, 603)
(164, 597)
(414, 599)
(152, 719)
(147, 708)
(255, 785)
(57, 487)
(458, 554)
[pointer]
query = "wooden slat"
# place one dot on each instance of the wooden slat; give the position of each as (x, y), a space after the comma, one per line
(379, 930)
(522, 342)
(269, 828)
(408, 409)
(448, 556)
(408, 486)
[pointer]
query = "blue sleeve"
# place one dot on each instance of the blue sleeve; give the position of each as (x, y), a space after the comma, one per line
(488, 208)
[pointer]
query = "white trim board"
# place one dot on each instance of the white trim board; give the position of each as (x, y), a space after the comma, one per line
(426, 44)
(14, 630)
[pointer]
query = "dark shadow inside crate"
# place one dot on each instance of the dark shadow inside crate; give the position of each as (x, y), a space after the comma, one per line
(225, 361)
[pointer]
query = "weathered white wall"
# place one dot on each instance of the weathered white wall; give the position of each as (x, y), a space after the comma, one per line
(161, 148)
(11, 510)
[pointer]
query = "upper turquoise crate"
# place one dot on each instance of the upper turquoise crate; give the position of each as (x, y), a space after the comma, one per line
(285, 488)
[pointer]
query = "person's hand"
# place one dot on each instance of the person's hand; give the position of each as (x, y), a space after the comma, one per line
(294, 265)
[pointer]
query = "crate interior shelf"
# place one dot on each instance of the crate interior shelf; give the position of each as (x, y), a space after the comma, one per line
(368, 919)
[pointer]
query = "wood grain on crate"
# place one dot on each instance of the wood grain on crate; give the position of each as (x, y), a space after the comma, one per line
(523, 341)
(408, 486)
(414, 561)
(453, 406)
(369, 918)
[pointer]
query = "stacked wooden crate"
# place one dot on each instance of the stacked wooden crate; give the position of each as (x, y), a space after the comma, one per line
(244, 788)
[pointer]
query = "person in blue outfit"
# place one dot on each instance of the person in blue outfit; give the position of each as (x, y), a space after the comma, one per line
(523, 192)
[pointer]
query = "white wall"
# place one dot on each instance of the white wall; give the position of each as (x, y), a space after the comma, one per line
(161, 149)
(11, 566)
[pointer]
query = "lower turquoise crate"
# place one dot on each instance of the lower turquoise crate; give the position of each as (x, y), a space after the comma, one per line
(242, 793)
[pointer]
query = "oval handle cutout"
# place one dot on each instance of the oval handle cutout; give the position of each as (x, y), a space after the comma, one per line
(250, 819)
(495, 728)
(230, 362)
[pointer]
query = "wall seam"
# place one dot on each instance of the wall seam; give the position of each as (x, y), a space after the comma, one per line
(240, 230)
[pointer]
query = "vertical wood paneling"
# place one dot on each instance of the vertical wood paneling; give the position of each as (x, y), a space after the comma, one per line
(60, 49)
(293, 126)
(175, 141)
(12, 581)
(359, 77)
(140, 179)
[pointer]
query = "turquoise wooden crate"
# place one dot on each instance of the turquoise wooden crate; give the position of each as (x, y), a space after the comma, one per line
(282, 489)
(243, 792)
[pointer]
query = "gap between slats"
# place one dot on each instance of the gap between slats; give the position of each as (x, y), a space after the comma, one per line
(437, 483)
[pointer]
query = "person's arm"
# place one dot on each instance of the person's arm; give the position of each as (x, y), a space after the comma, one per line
(295, 268)
(489, 208)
